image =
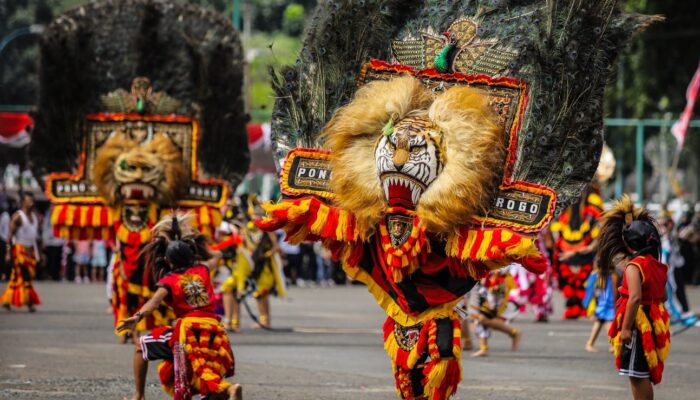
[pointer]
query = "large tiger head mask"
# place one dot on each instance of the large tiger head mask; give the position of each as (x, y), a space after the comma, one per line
(149, 171)
(398, 144)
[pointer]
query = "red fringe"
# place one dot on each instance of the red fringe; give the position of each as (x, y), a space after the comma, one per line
(448, 386)
(538, 265)
(166, 373)
(403, 382)
(231, 240)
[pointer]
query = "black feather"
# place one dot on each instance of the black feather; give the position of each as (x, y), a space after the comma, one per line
(565, 52)
(191, 54)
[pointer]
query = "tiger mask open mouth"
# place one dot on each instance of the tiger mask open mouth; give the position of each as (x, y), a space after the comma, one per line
(408, 161)
(399, 144)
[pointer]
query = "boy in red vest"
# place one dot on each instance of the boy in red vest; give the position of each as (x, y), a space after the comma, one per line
(177, 257)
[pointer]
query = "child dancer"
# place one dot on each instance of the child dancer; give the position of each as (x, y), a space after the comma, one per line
(258, 261)
(491, 302)
(639, 333)
(196, 352)
(600, 297)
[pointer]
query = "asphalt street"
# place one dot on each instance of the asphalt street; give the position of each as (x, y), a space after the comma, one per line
(67, 351)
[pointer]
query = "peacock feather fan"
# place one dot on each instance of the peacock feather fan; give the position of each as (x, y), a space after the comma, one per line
(563, 49)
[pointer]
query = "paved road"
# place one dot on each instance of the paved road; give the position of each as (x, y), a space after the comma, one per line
(66, 351)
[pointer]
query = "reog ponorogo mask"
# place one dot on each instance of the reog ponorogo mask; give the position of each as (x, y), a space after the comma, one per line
(427, 143)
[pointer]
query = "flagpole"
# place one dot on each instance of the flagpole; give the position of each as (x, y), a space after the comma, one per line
(663, 150)
(672, 171)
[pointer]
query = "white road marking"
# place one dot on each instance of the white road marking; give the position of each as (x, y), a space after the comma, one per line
(567, 334)
(338, 330)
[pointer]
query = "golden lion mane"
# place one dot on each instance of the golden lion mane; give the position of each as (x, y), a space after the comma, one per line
(472, 143)
(159, 154)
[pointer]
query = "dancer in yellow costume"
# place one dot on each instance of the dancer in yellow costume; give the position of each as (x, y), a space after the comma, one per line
(258, 263)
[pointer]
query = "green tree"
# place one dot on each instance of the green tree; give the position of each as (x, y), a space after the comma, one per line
(19, 61)
(269, 14)
(18, 66)
(293, 19)
(270, 50)
(652, 77)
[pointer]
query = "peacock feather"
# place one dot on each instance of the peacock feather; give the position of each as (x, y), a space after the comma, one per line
(563, 49)
(140, 106)
(442, 60)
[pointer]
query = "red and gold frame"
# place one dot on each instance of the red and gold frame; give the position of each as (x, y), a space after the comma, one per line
(300, 164)
(85, 192)
(521, 193)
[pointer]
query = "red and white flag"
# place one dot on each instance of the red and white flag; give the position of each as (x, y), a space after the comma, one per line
(680, 128)
(260, 145)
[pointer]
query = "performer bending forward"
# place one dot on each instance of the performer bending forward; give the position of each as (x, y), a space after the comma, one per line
(23, 252)
(196, 354)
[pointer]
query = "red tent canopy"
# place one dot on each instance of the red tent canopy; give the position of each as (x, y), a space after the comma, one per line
(15, 128)
(256, 135)
(261, 159)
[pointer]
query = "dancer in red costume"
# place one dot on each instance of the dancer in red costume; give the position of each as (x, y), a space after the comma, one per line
(196, 353)
(574, 249)
(22, 252)
(424, 160)
(639, 333)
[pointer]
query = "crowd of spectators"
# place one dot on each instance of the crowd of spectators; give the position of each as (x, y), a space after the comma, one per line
(681, 252)
(86, 261)
(310, 264)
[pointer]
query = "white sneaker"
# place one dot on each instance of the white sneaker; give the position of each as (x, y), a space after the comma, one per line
(78, 279)
(687, 314)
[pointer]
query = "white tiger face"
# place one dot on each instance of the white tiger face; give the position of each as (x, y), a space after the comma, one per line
(409, 160)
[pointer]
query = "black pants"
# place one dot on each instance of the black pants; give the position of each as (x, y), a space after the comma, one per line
(308, 266)
(679, 277)
(70, 267)
(293, 267)
(4, 266)
(53, 261)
